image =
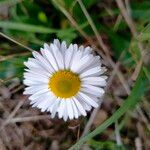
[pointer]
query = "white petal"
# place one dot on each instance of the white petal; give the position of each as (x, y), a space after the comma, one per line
(43, 104)
(87, 50)
(55, 107)
(65, 114)
(61, 108)
(75, 110)
(68, 56)
(94, 81)
(79, 106)
(81, 48)
(57, 43)
(69, 109)
(91, 72)
(97, 91)
(39, 94)
(75, 59)
(49, 56)
(88, 99)
(75, 47)
(43, 61)
(42, 97)
(94, 62)
(51, 102)
(85, 105)
(58, 56)
(31, 82)
(63, 47)
(39, 71)
(34, 89)
(82, 63)
(32, 63)
(36, 77)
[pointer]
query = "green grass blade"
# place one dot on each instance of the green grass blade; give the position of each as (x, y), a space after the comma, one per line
(145, 34)
(137, 91)
(35, 28)
(26, 27)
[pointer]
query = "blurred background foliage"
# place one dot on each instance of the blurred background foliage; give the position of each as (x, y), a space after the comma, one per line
(34, 22)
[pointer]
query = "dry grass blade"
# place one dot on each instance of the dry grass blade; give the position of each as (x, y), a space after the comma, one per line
(16, 42)
(26, 119)
(11, 115)
(99, 38)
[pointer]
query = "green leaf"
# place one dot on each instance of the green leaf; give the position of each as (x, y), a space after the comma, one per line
(137, 91)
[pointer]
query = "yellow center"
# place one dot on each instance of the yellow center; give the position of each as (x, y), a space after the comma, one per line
(64, 84)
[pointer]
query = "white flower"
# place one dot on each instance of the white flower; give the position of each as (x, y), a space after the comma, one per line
(64, 80)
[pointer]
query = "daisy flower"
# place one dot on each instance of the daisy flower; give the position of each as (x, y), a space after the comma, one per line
(66, 81)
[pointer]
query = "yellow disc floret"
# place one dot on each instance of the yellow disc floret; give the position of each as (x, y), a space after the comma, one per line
(64, 84)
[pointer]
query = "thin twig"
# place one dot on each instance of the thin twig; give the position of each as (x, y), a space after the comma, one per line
(125, 13)
(16, 42)
(99, 38)
(3, 58)
(32, 118)
(12, 114)
(90, 122)
(127, 17)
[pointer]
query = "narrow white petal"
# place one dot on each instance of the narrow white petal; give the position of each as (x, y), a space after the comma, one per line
(81, 48)
(55, 108)
(87, 50)
(97, 91)
(51, 102)
(88, 99)
(39, 93)
(39, 71)
(49, 56)
(43, 105)
(82, 63)
(61, 108)
(79, 106)
(34, 89)
(75, 110)
(91, 72)
(86, 106)
(36, 77)
(68, 56)
(65, 114)
(42, 97)
(75, 47)
(63, 47)
(69, 109)
(75, 59)
(31, 82)
(94, 62)
(32, 63)
(99, 81)
(43, 61)
(58, 56)
(57, 43)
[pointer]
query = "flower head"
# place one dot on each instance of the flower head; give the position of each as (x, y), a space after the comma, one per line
(63, 80)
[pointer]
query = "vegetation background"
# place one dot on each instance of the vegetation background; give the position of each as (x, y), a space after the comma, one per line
(118, 31)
